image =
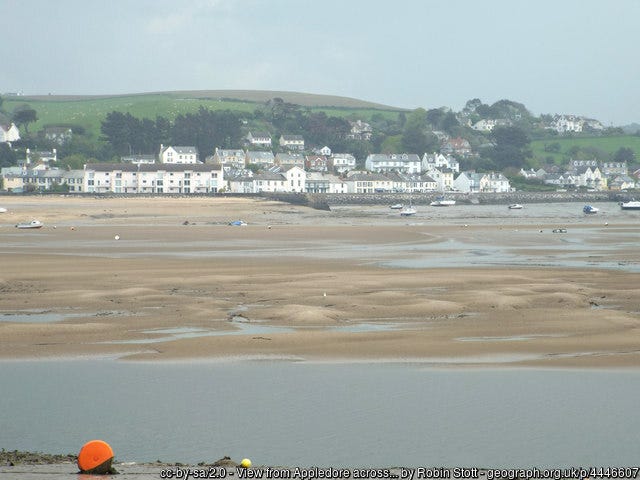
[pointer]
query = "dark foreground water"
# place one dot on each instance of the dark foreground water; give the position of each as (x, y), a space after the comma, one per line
(323, 414)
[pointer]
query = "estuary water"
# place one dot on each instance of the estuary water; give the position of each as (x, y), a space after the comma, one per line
(323, 414)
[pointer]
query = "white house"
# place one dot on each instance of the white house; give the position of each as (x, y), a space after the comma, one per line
(296, 178)
(498, 183)
(360, 131)
(326, 151)
(400, 162)
(471, 182)
(318, 182)
(590, 177)
(259, 139)
(179, 154)
(9, 133)
(488, 124)
(342, 162)
(292, 142)
(261, 182)
(403, 182)
(443, 178)
(438, 161)
(369, 183)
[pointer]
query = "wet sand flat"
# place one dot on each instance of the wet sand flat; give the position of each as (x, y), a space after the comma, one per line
(302, 284)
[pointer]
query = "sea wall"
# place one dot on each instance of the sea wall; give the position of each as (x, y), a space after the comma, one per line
(324, 201)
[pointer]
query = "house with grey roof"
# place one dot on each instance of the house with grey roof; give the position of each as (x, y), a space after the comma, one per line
(178, 154)
(471, 182)
(320, 182)
(230, 159)
(263, 159)
(342, 162)
(621, 182)
(360, 131)
(289, 180)
(259, 139)
(437, 161)
(288, 160)
(393, 162)
(369, 183)
(292, 142)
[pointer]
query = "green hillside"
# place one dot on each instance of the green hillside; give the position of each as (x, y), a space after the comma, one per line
(609, 145)
(89, 111)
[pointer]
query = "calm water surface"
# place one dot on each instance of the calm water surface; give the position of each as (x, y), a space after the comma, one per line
(287, 413)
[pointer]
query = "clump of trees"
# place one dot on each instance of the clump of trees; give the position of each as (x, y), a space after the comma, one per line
(205, 129)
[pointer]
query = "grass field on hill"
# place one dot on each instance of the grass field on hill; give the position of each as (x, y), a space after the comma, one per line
(89, 111)
(606, 144)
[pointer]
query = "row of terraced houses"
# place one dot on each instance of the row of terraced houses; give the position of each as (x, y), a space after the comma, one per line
(179, 170)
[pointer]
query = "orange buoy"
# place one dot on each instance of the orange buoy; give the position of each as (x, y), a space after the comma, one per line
(95, 457)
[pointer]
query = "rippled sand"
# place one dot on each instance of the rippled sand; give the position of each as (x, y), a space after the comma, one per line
(360, 284)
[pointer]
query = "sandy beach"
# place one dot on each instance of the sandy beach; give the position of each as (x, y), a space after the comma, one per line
(302, 284)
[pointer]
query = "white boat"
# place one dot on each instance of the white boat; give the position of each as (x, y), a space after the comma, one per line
(630, 205)
(3, 210)
(31, 224)
(408, 211)
(588, 209)
(396, 206)
(442, 202)
(515, 206)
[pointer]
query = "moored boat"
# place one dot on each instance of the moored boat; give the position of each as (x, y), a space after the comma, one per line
(31, 224)
(589, 209)
(515, 206)
(630, 205)
(396, 206)
(442, 202)
(408, 211)
(3, 210)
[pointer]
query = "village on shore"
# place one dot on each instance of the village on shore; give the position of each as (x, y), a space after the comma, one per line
(255, 169)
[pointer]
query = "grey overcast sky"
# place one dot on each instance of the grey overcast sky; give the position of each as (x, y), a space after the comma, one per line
(555, 56)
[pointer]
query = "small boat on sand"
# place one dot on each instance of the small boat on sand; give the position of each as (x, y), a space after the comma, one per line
(31, 224)
(408, 211)
(589, 209)
(3, 210)
(396, 206)
(630, 205)
(442, 202)
(515, 206)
